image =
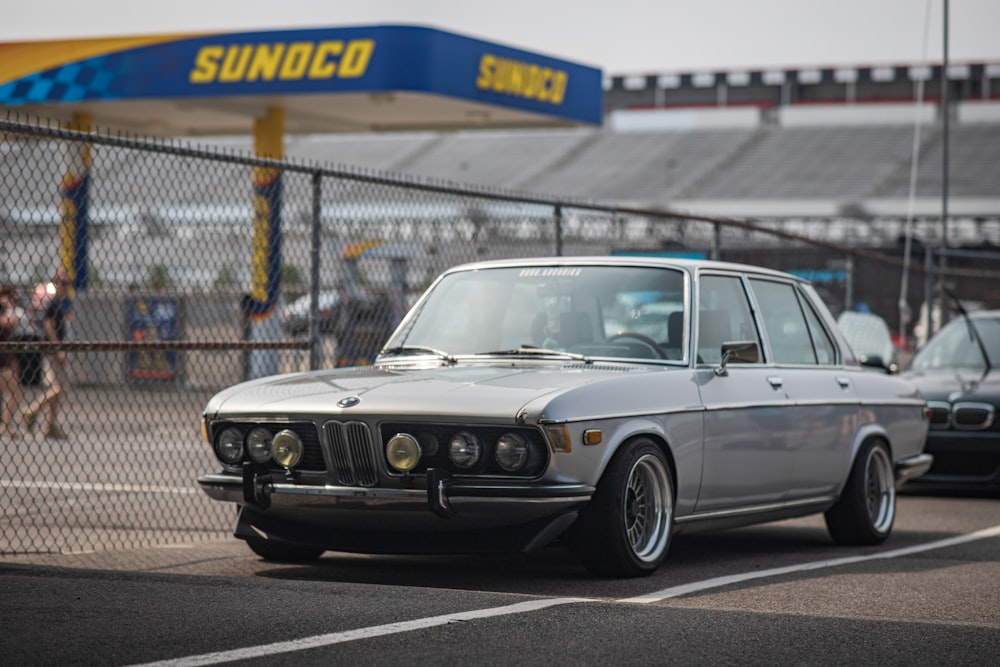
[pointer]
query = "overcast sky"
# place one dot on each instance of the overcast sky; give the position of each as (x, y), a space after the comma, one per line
(619, 36)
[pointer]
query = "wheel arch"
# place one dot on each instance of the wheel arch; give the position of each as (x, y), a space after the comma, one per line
(651, 432)
(865, 434)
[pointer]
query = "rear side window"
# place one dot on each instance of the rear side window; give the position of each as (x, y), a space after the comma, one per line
(793, 329)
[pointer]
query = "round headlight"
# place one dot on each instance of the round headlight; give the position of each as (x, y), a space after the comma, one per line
(511, 452)
(403, 452)
(464, 450)
(286, 448)
(428, 443)
(229, 445)
(259, 445)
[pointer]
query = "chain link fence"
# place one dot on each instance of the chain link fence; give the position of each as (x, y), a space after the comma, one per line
(195, 268)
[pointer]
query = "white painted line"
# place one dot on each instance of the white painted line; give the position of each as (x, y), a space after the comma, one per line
(718, 582)
(307, 643)
(90, 487)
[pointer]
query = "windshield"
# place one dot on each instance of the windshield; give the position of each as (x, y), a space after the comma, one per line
(610, 311)
(955, 347)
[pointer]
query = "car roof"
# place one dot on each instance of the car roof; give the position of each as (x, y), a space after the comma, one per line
(683, 263)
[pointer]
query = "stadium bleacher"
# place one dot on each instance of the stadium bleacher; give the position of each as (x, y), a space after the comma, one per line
(782, 145)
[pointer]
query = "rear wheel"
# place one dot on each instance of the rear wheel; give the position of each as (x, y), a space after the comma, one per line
(867, 507)
(625, 529)
(283, 553)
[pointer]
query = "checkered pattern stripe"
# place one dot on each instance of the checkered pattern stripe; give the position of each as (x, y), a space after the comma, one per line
(102, 77)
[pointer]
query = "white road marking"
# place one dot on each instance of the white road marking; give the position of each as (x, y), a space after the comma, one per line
(718, 582)
(88, 486)
(318, 641)
(307, 643)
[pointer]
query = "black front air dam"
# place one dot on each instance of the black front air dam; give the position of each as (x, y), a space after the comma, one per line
(253, 523)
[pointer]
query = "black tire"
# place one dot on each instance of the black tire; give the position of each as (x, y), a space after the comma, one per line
(283, 553)
(867, 507)
(625, 529)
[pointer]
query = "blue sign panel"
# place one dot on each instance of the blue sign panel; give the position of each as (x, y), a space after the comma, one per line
(302, 62)
(153, 319)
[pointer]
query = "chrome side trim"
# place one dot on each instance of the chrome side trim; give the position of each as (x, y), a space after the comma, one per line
(755, 509)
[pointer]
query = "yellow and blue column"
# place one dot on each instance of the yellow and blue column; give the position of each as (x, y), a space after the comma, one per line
(74, 205)
(265, 257)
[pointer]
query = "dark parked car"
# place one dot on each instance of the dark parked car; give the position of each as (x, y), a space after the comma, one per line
(295, 316)
(958, 376)
(607, 402)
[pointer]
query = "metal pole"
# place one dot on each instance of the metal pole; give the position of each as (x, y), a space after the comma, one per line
(945, 123)
(559, 230)
(849, 282)
(315, 343)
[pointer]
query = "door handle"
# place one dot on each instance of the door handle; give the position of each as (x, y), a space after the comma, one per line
(775, 381)
(843, 382)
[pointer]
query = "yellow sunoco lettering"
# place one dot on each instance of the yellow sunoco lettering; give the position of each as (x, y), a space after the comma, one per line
(321, 68)
(355, 61)
(510, 77)
(235, 63)
(206, 64)
(487, 64)
(328, 59)
(266, 59)
(296, 61)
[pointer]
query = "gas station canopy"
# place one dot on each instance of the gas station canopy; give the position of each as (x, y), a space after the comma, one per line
(353, 79)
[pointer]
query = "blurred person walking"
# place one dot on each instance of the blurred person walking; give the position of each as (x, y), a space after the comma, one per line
(10, 374)
(56, 363)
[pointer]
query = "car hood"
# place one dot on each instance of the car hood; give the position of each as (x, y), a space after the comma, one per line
(488, 391)
(940, 385)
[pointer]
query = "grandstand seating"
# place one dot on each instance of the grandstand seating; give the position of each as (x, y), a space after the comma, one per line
(830, 164)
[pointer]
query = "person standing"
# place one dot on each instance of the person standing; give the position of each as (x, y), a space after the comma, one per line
(56, 363)
(10, 374)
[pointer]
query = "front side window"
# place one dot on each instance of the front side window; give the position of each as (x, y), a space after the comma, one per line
(724, 316)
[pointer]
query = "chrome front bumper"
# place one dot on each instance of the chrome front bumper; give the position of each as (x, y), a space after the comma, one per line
(911, 467)
(445, 497)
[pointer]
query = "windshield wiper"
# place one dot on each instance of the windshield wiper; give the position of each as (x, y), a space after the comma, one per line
(534, 351)
(976, 338)
(418, 349)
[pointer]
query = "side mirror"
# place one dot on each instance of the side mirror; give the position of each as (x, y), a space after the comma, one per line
(745, 352)
(876, 361)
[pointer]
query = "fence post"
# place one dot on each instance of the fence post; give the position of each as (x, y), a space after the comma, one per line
(849, 282)
(557, 213)
(716, 241)
(315, 344)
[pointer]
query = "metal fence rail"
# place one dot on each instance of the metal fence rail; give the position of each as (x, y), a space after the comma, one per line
(193, 280)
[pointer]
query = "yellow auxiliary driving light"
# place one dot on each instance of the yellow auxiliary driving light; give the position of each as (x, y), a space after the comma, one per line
(403, 452)
(286, 448)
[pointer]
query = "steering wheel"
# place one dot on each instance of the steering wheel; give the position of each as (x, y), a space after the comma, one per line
(653, 346)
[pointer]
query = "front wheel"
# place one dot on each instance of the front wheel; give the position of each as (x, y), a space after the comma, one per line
(867, 507)
(625, 529)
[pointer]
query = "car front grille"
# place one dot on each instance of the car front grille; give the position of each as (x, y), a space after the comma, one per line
(966, 416)
(972, 416)
(353, 450)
